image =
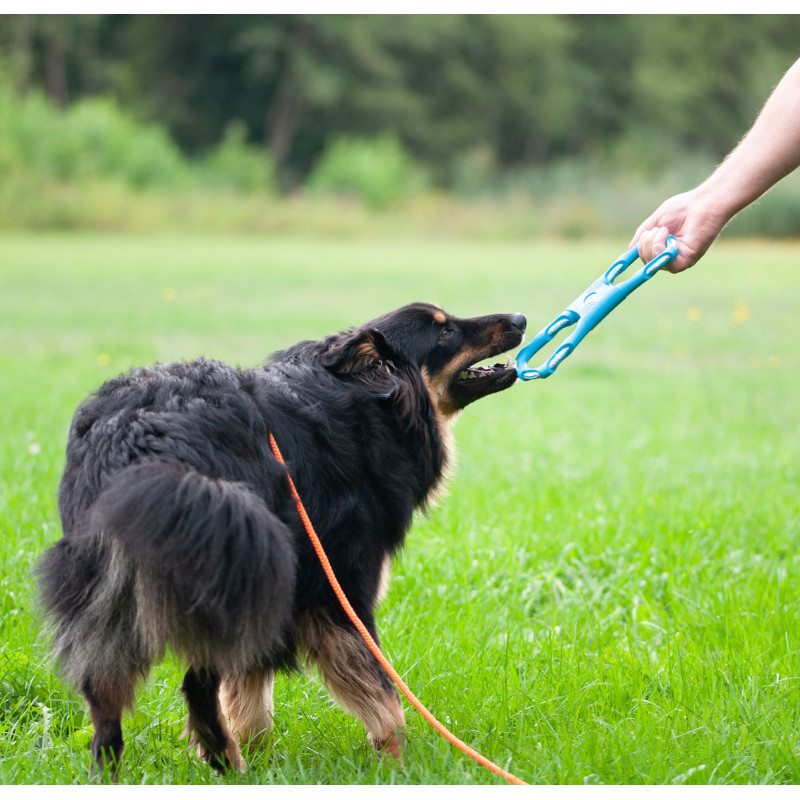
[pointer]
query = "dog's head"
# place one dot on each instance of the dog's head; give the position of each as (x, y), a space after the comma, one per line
(445, 350)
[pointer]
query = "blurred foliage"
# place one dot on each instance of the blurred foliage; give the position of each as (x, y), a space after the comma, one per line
(584, 116)
(94, 139)
(233, 164)
(89, 139)
(377, 171)
(527, 89)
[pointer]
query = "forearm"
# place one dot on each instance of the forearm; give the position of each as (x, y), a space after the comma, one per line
(767, 153)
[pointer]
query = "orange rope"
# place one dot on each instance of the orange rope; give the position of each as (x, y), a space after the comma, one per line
(365, 634)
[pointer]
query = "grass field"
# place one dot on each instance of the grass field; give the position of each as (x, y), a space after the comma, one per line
(610, 592)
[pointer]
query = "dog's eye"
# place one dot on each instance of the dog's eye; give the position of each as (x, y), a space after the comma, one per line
(446, 333)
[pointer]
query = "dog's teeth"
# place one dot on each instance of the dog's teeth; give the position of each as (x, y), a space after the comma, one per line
(508, 361)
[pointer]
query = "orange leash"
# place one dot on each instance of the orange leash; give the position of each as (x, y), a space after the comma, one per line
(370, 642)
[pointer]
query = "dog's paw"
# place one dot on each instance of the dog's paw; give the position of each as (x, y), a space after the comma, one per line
(222, 759)
(260, 740)
(390, 746)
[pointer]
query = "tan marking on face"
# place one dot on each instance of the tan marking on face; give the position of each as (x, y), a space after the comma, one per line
(438, 389)
(445, 411)
(440, 317)
(438, 385)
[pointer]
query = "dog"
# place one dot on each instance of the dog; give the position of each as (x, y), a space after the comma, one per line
(179, 530)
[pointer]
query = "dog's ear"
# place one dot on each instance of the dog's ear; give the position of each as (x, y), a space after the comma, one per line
(365, 356)
(363, 350)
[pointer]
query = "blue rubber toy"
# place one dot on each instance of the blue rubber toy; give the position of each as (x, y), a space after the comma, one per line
(590, 308)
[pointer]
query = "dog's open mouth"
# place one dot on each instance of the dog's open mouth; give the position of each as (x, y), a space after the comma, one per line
(479, 380)
(479, 372)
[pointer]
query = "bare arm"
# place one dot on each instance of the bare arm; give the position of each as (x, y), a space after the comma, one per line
(768, 152)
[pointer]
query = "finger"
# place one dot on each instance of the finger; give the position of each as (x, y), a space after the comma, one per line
(652, 243)
(660, 241)
(646, 225)
(646, 245)
(687, 257)
(681, 263)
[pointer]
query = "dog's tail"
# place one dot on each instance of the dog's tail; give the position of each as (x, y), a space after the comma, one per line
(167, 557)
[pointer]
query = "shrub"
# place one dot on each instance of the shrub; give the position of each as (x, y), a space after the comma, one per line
(93, 138)
(377, 171)
(233, 164)
(100, 140)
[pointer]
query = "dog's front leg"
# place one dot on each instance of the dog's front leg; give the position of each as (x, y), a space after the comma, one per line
(356, 680)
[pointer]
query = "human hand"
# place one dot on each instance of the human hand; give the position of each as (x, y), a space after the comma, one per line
(690, 219)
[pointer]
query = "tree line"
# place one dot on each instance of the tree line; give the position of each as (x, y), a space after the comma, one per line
(518, 91)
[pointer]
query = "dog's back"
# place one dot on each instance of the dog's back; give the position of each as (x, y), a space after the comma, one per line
(166, 542)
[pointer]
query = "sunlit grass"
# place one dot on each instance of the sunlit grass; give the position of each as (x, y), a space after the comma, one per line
(608, 594)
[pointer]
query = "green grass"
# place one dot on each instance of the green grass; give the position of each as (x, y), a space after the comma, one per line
(608, 594)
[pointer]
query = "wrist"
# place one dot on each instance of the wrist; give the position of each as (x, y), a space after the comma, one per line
(717, 202)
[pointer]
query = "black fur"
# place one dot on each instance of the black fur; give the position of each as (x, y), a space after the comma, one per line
(179, 530)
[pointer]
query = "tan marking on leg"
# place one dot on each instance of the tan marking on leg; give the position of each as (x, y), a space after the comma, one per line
(383, 580)
(355, 680)
(247, 705)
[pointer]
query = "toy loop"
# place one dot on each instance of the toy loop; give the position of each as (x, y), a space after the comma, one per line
(590, 308)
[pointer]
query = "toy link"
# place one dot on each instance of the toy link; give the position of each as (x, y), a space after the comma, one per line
(590, 308)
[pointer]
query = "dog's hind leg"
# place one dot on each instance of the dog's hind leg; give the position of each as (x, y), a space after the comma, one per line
(246, 700)
(206, 725)
(106, 703)
(356, 680)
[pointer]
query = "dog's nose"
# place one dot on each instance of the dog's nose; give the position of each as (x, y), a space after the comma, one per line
(519, 321)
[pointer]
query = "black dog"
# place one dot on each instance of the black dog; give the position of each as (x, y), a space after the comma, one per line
(180, 532)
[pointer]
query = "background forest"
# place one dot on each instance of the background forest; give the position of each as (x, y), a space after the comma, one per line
(471, 124)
